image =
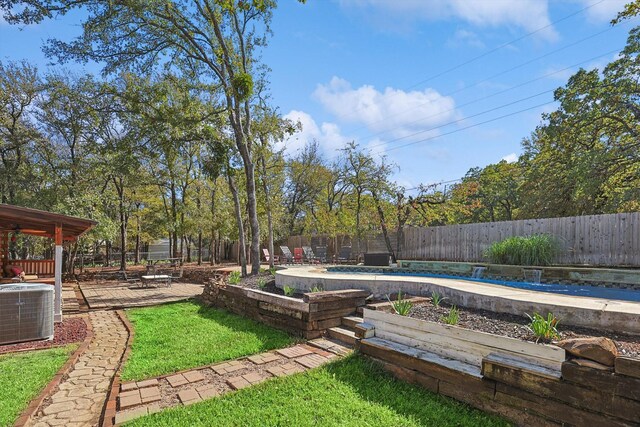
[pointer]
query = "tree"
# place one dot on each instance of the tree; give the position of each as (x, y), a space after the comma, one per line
(20, 87)
(213, 40)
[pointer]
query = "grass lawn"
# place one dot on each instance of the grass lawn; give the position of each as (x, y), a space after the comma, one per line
(351, 392)
(172, 337)
(24, 375)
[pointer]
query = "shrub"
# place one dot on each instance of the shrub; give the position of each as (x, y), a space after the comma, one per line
(262, 282)
(401, 305)
(452, 317)
(436, 299)
(234, 277)
(289, 291)
(272, 271)
(316, 288)
(544, 329)
(538, 249)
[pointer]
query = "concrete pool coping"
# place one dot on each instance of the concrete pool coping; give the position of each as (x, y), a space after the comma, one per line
(598, 313)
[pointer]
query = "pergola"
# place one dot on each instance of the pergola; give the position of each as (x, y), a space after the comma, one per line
(60, 228)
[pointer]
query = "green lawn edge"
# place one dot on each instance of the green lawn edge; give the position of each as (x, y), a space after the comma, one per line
(178, 336)
(24, 375)
(352, 392)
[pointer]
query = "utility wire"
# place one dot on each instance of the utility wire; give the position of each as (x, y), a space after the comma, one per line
(523, 64)
(499, 92)
(495, 49)
(397, 147)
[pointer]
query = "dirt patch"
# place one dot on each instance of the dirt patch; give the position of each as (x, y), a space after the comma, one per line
(513, 326)
(70, 330)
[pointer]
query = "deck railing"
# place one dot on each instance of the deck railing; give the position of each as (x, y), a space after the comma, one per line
(41, 267)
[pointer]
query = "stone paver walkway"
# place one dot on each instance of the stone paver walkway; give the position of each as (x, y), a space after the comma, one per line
(145, 397)
(108, 294)
(80, 397)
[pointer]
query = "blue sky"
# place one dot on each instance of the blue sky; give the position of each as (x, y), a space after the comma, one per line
(399, 76)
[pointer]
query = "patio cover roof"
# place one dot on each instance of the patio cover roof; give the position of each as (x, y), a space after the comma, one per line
(42, 223)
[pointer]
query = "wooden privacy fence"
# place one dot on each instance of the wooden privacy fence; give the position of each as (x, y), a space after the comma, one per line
(603, 240)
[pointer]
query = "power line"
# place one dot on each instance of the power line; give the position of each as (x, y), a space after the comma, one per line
(500, 92)
(495, 49)
(470, 126)
(582, 40)
(516, 40)
(465, 118)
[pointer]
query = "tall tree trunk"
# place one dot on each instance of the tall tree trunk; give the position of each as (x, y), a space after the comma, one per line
(383, 225)
(137, 250)
(267, 197)
(241, 242)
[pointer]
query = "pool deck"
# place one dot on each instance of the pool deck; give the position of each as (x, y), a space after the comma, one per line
(598, 313)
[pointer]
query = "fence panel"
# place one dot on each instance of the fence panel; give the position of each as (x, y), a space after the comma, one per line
(605, 240)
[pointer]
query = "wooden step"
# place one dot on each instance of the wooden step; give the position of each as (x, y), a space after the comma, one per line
(334, 346)
(350, 322)
(345, 335)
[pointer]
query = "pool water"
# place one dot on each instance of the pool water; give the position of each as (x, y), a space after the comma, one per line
(572, 290)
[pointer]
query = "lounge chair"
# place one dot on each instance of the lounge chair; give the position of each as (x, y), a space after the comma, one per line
(309, 256)
(345, 255)
(286, 254)
(321, 253)
(267, 257)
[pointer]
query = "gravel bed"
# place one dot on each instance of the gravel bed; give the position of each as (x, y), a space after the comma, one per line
(70, 330)
(513, 326)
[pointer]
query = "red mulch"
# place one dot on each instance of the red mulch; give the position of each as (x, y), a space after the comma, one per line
(69, 331)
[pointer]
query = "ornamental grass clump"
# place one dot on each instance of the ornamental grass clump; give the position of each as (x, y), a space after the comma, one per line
(289, 291)
(537, 249)
(262, 283)
(234, 277)
(544, 329)
(436, 299)
(401, 306)
(316, 288)
(452, 317)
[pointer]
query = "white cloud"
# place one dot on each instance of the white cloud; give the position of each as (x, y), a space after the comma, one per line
(510, 158)
(328, 135)
(603, 11)
(465, 38)
(392, 109)
(527, 14)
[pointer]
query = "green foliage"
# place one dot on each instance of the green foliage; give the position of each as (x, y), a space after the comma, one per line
(436, 299)
(538, 249)
(544, 329)
(317, 288)
(452, 317)
(401, 305)
(234, 277)
(272, 271)
(173, 337)
(24, 375)
(262, 282)
(289, 290)
(352, 392)
(242, 84)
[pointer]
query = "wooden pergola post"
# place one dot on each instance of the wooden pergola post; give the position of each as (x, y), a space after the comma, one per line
(4, 249)
(57, 316)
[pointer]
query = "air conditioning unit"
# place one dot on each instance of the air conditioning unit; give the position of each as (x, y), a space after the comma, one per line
(26, 312)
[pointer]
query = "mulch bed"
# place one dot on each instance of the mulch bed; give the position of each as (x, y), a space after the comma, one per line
(70, 330)
(513, 326)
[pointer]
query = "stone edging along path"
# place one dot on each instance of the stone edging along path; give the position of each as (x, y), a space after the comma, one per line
(79, 397)
(34, 405)
(140, 398)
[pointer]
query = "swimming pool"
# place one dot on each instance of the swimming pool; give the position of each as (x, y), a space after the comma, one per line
(570, 290)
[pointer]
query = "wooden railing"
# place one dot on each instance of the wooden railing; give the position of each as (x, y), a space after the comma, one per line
(41, 267)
